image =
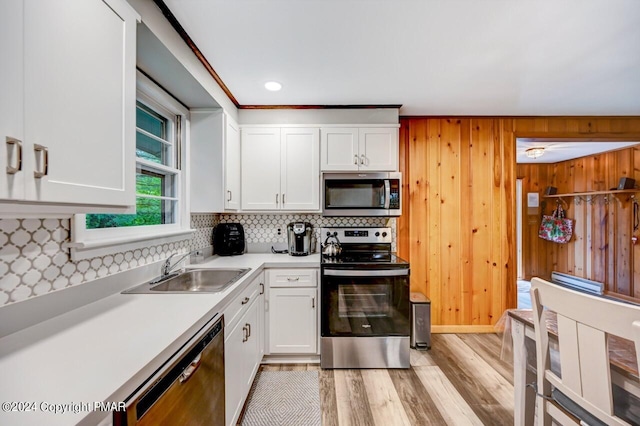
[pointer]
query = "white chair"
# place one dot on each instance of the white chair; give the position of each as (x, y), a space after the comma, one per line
(585, 383)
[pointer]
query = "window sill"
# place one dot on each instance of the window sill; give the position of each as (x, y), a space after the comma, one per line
(81, 250)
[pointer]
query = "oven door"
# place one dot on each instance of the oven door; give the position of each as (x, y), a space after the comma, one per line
(365, 302)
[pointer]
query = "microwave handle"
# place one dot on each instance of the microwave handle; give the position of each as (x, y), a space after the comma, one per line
(387, 194)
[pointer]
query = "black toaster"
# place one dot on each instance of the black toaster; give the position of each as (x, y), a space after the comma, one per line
(228, 239)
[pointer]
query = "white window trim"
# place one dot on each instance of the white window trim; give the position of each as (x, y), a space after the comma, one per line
(88, 243)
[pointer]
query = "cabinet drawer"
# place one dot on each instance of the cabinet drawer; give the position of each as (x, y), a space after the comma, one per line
(292, 277)
(241, 303)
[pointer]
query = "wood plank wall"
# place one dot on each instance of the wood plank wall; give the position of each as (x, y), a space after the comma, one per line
(458, 222)
(601, 249)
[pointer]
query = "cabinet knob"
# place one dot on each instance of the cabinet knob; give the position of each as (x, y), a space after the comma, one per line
(245, 300)
(12, 170)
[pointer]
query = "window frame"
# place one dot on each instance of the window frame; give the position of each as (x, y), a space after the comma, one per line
(86, 243)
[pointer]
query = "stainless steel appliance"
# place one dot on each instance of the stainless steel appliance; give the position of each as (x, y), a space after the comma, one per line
(365, 315)
(299, 234)
(361, 194)
(228, 239)
(188, 389)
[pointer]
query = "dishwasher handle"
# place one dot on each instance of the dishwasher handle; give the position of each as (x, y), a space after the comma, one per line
(193, 366)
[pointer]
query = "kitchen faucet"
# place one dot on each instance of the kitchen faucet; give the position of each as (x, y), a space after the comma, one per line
(166, 266)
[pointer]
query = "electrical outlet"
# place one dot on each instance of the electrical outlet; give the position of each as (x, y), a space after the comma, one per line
(279, 231)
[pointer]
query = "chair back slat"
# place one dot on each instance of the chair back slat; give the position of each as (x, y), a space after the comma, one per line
(569, 354)
(594, 368)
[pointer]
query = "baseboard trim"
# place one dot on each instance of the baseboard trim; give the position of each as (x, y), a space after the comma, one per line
(439, 329)
(291, 359)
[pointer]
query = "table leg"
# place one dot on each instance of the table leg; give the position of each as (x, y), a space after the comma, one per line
(524, 407)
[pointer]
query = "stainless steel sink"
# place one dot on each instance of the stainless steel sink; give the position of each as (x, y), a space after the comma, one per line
(193, 281)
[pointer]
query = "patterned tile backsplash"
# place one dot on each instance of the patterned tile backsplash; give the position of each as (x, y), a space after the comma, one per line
(33, 262)
(261, 230)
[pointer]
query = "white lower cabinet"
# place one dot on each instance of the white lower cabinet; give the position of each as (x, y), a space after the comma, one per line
(292, 311)
(242, 347)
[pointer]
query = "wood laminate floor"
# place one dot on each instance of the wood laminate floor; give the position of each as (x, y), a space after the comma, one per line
(460, 381)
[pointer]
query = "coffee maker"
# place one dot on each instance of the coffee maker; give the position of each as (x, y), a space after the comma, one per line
(299, 234)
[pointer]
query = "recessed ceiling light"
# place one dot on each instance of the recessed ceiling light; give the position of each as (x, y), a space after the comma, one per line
(274, 86)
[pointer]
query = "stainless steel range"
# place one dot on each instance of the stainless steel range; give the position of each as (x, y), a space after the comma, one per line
(365, 301)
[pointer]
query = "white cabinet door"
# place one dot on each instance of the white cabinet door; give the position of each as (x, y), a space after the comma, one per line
(242, 357)
(11, 100)
(378, 148)
(251, 351)
(234, 379)
(292, 320)
(300, 178)
(79, 94)
(339, 149)
(232, 164)
(261, 318)
(261, 169)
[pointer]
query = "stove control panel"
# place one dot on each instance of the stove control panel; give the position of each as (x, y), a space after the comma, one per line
(358, 235)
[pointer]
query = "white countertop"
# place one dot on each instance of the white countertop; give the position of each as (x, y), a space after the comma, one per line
(104, 350)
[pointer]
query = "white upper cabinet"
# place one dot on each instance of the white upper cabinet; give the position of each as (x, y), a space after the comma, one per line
(11, 100)
(79, 97)
(260, 169)
(215, 162)
(300, 178)
(378, 148)
(339, 149)
(280, 169)
(232, 165)
(359, 149)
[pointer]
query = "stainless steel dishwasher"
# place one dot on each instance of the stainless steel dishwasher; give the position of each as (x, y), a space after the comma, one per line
(189, 390)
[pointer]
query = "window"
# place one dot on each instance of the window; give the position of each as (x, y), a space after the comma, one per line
(162, 212)
(157, 151)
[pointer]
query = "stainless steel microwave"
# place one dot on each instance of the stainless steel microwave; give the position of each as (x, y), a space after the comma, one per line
(361, 194)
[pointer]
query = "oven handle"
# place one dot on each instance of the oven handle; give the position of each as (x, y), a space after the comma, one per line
(366, 272)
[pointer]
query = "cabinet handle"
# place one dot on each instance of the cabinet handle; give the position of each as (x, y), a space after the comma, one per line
(261, 288)
(249, 330)
(277, 199)
(362, 159)
(45, 166)
(245, 300)
(313, 303)
(355, 159)
(293, 279)
(230, 195)
(283, 198)
(245, 333)
(18, 167)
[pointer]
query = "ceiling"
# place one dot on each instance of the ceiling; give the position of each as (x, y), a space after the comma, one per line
(435, 57)
(555, 151)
